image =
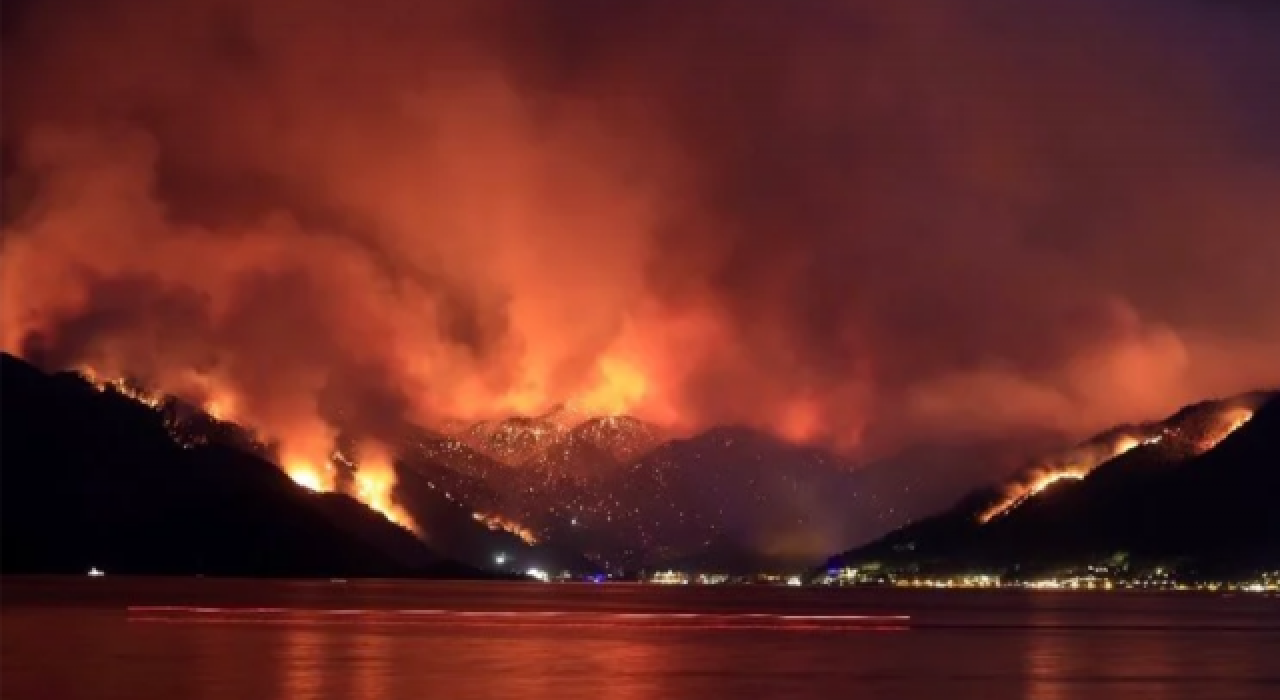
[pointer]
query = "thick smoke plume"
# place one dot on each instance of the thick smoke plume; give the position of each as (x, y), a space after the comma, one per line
(859, 222)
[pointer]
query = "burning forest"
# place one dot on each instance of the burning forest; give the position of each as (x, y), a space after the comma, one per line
(1201, 432)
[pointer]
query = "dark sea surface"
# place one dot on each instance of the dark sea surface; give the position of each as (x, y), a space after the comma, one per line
(134, 639)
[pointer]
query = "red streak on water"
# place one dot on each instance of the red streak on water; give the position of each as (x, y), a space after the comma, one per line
(572, 619)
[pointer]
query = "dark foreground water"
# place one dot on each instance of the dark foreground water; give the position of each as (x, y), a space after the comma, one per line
(65, 639)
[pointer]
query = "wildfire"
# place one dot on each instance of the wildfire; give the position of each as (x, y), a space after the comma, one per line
(621, 386)
(1224, 423)
(122, 387)
(1084, 462)
(497, 522)
(1048, 480)
(91, 375)
(1017, 495)
(309, 476)
(374, 476)
(220, 408)
(375, 482)
(1129, 442)
(1227, 423)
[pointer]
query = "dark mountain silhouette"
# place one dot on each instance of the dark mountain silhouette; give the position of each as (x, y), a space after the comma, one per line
(443, 504)
(725, 554)
(779, 505)
(92, 478)
(1195, 495)
(776, 502)
(130, 480)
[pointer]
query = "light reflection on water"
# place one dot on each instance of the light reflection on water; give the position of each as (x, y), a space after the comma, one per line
(303, 660)
(64, 641)
(1046, 659)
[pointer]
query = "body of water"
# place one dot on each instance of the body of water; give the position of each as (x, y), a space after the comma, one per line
(134, 639)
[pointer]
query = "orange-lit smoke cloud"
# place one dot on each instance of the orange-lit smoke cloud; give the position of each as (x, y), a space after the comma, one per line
(854, 221)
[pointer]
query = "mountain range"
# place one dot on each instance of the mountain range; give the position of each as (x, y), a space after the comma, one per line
(558, 492)
(109, 475)
(616, 489)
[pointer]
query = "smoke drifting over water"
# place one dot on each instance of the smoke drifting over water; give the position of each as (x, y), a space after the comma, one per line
(857, 222)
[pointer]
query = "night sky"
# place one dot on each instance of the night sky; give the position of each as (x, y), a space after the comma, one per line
(869, 224)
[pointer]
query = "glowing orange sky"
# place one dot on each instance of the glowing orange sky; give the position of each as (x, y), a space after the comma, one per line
(857, 222)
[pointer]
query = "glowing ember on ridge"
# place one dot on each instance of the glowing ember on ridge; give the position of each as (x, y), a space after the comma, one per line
(309, 476)
(1052, 478)
(1228, 422)
(1084, 461)
(122, 387)
(220, 408)
(499, 523)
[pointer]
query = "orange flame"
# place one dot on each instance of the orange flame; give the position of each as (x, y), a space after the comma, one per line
(499, 523)
(220, 407)
(1227, 423)
(375, 482)
(374, 479)
(1046, 476)
(620, 387)
(1052, 478)
(121, 387)
(307, 475)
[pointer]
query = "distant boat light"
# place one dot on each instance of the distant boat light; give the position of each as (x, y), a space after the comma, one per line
(95, 572)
